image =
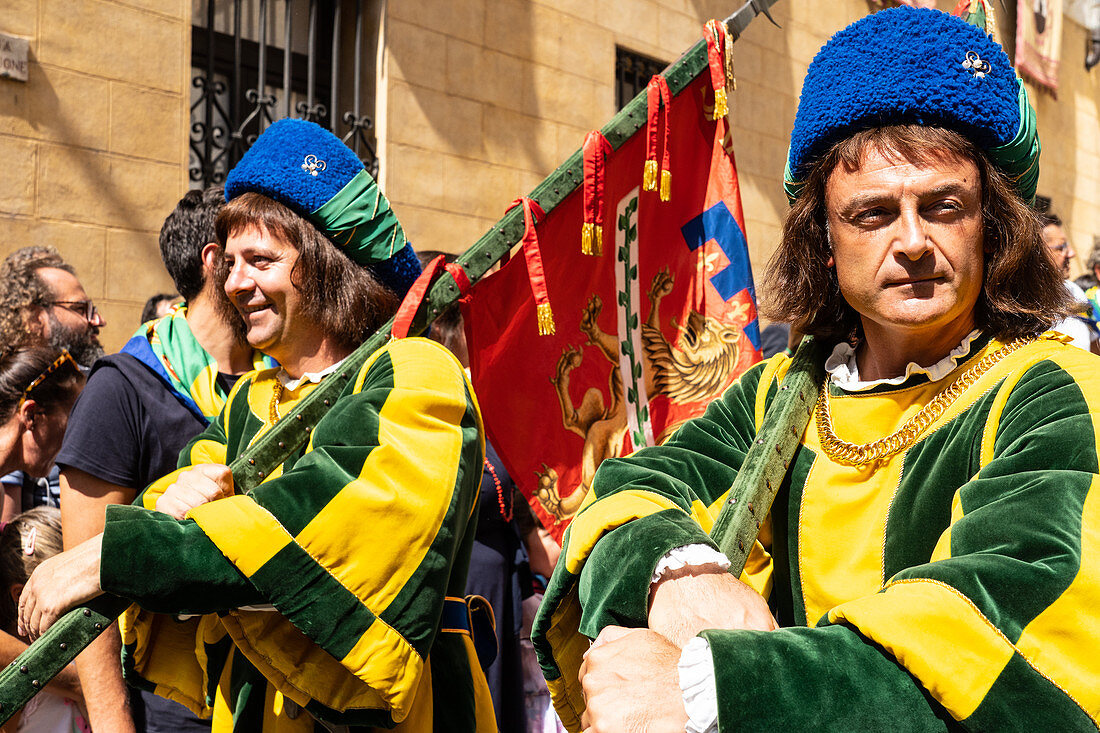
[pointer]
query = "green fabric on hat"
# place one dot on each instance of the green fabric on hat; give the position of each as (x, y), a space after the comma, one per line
(359, 219)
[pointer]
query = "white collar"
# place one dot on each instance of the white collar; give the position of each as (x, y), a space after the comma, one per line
(843, 371)
(292, 384)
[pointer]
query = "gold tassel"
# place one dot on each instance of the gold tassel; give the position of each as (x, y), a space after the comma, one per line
(599, 241)
(666, 185)
(649, 176)
(721, 104)
(586, 238)
(546, 319)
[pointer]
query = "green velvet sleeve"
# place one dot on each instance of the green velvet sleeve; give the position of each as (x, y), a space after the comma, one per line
(168, 566)
(695, 467)
(827, 679)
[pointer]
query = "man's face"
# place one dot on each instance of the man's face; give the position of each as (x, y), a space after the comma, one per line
(66, 323)
(1054, 237)
(259, 286)
(907, 242)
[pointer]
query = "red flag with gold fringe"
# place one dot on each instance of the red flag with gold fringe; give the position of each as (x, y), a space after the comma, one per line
(645, 270)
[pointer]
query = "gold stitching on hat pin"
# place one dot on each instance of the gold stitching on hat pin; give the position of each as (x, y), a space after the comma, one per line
(312, 165)
(976, 65)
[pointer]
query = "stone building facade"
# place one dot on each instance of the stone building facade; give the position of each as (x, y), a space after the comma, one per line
(474, 102)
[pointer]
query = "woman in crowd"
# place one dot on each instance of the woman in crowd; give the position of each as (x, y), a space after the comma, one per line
(37, 389)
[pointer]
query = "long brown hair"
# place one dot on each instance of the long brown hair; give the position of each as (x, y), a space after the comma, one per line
(345, 300)
(1022, 292)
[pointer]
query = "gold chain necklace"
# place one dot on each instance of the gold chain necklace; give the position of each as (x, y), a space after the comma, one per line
(853, 454)
(276, 395)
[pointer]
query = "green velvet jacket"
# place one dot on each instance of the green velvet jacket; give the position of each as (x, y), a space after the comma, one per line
(323, 587)
(955, 585)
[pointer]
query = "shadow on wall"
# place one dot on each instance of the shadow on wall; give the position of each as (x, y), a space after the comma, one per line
(461, 65)
(87, 167)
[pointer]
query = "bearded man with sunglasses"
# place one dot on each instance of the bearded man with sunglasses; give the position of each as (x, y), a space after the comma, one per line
(41, 299)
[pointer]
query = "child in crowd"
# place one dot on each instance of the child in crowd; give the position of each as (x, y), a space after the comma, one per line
(25, 542)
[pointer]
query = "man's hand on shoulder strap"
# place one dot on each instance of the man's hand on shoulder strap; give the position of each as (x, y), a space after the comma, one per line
(203, 483)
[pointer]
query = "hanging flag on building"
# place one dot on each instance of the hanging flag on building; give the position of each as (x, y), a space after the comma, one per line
(645, 276)
(1039, 41)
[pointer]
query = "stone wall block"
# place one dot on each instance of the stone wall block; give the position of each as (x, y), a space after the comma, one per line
(20, 18)
(465, 20)
(580, 9)
(435, 121)
(145, 123)
(113, 41)
(477, 189)
(677, 31)
(467, 69)
(432, 229)
(635, 20)
(415, 175)
(97, 188)
(505, 80)
(17, 192)
(519, 141)
(56, 105)
(122, 317)
(588, 50)
(418, 55)
(510, 28)
(134, 267)
(82, 246)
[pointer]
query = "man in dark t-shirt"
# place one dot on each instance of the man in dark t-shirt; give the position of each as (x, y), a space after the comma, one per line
(138, 410)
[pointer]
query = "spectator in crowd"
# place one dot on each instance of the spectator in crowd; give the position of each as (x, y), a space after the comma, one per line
(37, 389)
(328, 594)
(43, 302)
(928, 559)
(1090, 282)
(140, 408)
(25, 542)
(1077, 325)
(159, 305)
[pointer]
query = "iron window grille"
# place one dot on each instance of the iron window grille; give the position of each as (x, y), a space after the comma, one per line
(246, 75)
(632, 73)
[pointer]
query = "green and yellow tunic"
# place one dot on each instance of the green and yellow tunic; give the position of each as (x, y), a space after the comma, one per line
(954, 585)
(322, 588)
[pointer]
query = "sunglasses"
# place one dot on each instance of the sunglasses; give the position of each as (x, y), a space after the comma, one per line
(57, 364)
(85, 308)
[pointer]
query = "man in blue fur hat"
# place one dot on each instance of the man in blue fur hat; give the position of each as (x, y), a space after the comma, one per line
(324, 599)
(930, 560)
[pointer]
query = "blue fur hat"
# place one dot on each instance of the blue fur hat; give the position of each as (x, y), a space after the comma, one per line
(915, 66)
(308, 169)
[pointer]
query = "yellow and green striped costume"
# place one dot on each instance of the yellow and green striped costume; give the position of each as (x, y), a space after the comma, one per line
(955, 586)
(355, 542)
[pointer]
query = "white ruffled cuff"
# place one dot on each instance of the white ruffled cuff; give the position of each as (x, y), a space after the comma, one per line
(697, 686)
(689, 556)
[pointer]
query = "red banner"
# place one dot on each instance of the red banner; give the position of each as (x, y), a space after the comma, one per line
(648, 328)
(1039, 41)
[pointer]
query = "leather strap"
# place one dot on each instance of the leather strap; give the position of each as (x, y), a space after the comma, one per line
(769, 457)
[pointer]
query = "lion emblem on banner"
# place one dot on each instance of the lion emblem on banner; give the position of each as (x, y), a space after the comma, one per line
(695, 367)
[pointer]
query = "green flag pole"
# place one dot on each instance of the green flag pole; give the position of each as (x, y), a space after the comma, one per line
(48, 655)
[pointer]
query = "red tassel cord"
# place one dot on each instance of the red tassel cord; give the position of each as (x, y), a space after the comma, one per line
(720, 62)
(596, 149)
(535, 273)
(658, 97)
